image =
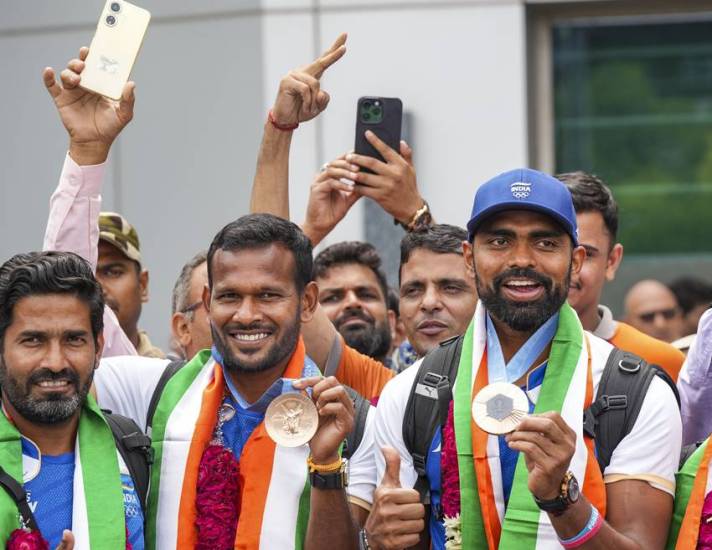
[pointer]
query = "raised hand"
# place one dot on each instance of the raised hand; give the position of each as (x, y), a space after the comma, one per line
(548, 444)
(329, 199)
(67, 542)
(300, 97)
(393, 183)
(92, 120)
(397, 517)
(336, 416)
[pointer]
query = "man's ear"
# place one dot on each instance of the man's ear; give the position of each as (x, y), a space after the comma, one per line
(180, 329)
(468, 255)
(578, 256)
(310, 301)
(393, 324)
(615, 257)
(206, 298)
(143, 284)
(99, 347)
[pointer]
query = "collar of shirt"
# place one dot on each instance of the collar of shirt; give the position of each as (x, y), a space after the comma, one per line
(259, 406)
(607, 327)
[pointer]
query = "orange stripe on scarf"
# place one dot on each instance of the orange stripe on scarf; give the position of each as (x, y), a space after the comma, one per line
(593, 486)
(255, 465)
(690, 529)
(256, 471)
(207, 418)
(490, 516)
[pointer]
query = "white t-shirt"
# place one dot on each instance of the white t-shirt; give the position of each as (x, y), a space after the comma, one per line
(650, 452)
(126, 384)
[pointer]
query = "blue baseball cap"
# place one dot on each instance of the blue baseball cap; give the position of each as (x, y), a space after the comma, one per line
(524, 189)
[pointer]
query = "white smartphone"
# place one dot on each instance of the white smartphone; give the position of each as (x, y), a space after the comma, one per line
(114, 48)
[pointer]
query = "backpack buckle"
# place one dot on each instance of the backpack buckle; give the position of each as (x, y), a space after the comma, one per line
(419, 464)
(629, 365)
(428, 386)
(614, 402)
(589, 423)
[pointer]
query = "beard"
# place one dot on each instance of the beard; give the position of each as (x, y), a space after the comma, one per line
(523, 316)
(52, 409)
(372, 340)
(278, 352)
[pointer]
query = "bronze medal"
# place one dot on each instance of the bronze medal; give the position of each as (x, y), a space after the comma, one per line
(291, 419)
(499, 408)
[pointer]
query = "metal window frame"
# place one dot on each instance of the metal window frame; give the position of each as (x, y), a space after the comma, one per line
(542, 15)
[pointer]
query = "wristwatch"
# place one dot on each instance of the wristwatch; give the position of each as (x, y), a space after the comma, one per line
(337, 479)
(568, 495)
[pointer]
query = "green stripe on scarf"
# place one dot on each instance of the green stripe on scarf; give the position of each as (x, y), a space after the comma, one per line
(521, 520)
(100, 470)
(472, 525)
(685, 481)
(172, 394)
(300, 534)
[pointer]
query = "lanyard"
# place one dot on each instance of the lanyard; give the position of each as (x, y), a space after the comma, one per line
(521, 362)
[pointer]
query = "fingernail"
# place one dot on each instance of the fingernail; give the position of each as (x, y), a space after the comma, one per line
(349, 157)
(347, 182)
(353, 168)
(369, 133)
(353, 175)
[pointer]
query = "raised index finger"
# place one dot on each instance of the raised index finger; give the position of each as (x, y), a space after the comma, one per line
(328, 58)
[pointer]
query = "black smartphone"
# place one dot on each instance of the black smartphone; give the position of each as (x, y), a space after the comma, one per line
(384, 117)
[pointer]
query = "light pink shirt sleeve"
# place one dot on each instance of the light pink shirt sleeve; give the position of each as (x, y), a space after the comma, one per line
(73, 226)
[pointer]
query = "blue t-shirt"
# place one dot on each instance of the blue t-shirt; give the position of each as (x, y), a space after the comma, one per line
(507, 458)
(50, 495)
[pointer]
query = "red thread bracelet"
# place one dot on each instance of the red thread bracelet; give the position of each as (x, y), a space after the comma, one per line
(283, 127)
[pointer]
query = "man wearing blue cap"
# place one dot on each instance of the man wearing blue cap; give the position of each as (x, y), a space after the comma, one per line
(508, 462)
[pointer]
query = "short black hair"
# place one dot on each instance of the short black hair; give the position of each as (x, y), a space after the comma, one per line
(590, 194)
(260, 231)
(394, 301)
(351, 252)
(44, 273)
(691, 292)
(439, 238)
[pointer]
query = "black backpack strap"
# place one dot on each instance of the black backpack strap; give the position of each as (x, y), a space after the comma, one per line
(135, 448)
(168, 372)
(621, 391)
(688, 451)
(17, 493)
(334, 358)
(361, 407)
(428, 405)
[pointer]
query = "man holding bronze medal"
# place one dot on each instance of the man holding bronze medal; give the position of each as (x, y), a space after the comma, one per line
(511, 465)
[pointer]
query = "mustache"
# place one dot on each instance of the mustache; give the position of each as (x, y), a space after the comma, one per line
(527, 272)
(348, 315)
(47, 375)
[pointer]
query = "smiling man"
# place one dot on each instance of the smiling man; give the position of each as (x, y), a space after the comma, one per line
(530, 369)
(54, 440)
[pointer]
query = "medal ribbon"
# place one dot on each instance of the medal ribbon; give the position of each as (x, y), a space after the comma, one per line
(99, 464)
(521, 362)
(480, 521)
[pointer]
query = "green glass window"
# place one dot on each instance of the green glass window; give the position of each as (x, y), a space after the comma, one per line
(633, 104)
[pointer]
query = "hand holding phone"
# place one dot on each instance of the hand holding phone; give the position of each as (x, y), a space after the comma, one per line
(114, 48)
(92, 121)
(384, 117)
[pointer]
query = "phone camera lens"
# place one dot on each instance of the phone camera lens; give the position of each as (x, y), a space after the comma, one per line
(366, 104)
(376, 111)
(110, 20)
(115, 7)
(366, 116)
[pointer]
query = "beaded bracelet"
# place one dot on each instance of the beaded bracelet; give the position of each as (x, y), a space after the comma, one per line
(590, 530)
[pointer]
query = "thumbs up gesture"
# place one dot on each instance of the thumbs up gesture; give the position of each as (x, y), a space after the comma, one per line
(398, 517)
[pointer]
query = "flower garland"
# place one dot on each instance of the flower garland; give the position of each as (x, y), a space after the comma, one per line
(450, 491)
(218, 491)
(26, 539)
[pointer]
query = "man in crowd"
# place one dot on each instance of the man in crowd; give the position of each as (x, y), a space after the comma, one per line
(189, 322)
(353, 292)
(494, 490)
(694, 297)
(123, 279)
(597, 221)
(55, 440)
(652, 308)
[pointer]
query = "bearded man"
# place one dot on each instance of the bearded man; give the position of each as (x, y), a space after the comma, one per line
(510, 466)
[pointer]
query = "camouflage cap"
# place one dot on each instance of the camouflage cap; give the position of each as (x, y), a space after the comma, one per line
(117, 231)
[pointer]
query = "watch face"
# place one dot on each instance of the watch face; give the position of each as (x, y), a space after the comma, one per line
(573, 490)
